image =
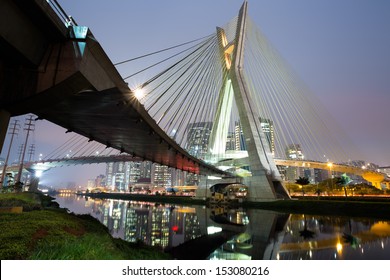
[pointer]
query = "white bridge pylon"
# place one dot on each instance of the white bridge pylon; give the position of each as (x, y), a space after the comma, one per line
(264, 182)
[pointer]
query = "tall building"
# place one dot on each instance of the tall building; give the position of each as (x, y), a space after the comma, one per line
(268, 128)
(161, 176)
(239, 137)
(294, 152)
(100, 181)
(134, 172)
(198, 135)
(109, 174)
(118, 174)
(146, 169)
(178, 177)
(91, 184)
(320, 175)
(231, 142)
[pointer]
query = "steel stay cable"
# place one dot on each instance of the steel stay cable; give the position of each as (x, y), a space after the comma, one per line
(160, 75)
(160, 51)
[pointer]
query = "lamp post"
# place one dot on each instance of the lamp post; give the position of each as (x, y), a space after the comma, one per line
(330, 165)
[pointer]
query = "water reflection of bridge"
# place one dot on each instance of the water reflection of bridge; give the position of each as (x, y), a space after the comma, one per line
(251, 233)
(259, 232)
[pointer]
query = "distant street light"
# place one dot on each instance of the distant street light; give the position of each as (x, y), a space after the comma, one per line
(330, 165)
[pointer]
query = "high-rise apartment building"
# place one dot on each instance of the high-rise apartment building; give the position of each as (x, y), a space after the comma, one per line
(268, 128)
(161, 176)
(230, 142)
(120, 175)
(294, 152)
(240, 144)
(198, 135)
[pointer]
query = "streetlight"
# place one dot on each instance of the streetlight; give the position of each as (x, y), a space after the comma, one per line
(330, 165)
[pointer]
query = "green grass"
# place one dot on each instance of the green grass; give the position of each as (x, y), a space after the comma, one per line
(54, 234)
(29, 201)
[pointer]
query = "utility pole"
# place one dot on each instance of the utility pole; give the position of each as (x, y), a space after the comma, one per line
(14, 131)
(28, 126)
(31, 152)
(20, 152)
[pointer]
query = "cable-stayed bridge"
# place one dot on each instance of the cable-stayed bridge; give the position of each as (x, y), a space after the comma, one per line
(183, 116)
(77, 150)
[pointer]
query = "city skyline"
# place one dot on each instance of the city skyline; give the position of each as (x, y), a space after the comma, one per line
(341, 56)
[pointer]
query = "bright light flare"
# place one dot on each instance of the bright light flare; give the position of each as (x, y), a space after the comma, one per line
(139, 93)
(339, 247)
(38, 173)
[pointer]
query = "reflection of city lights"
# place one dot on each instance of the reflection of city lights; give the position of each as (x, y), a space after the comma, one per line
(277, 256)
(310, 254)
(383, 245)
(212, 229)
(339, 247)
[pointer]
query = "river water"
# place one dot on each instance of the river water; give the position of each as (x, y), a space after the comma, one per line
(242, 234)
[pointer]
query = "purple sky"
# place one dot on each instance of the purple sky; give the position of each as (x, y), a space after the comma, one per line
(339, 48)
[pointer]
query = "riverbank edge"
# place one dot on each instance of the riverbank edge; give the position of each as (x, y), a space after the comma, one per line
(27, 244)
(332, 206)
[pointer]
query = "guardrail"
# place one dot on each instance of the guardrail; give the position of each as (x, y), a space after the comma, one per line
(67, 19)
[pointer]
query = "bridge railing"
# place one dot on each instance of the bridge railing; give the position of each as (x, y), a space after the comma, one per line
(67, 19)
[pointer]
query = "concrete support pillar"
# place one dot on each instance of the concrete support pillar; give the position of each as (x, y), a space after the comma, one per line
(265, 228)
(202, 192)
(4, 122)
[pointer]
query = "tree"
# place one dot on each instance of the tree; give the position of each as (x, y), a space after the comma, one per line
(306, 233)
(302, 181)
(343, 181)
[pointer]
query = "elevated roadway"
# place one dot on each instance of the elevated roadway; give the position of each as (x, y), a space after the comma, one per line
(58, 71)
(376, 178)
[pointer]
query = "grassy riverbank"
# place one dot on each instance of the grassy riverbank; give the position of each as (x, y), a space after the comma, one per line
(44, 231)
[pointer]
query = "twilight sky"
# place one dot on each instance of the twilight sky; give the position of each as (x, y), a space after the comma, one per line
(339, 48)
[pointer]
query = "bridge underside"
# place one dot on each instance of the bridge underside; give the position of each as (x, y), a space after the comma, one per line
(72, 83)
(106, 117)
